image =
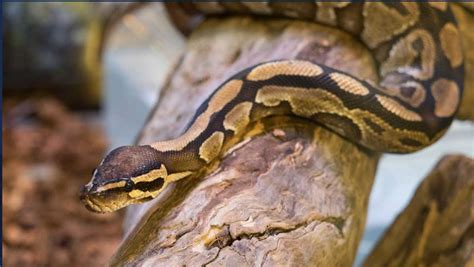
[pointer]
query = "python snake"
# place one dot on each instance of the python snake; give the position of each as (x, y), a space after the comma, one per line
(418, 50)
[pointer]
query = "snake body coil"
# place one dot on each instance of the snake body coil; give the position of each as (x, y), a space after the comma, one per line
(418, 49)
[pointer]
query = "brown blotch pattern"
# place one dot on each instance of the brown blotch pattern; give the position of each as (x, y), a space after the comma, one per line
(349, 84)
(403, 54)
(211, 148)
(451, 44)
(446, 95)
(312, 102)
(238, 118)
(288, 67)
(303, 101)
(397, 109)
(381, 22)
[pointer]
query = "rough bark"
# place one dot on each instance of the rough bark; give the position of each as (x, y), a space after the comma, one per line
(436, 228)
(294, 196)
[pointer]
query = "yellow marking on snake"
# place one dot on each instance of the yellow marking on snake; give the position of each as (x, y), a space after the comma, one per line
(238, 118)
(289, 67)
(446, 95)
(439, 5)
(223, 96)
(451, 44)
(211, 148)
(390, 136)
(381, 23)
(303, 103)
(152, 175)
(112, 185)
(349, 84)
(397, 109)
(177, 176)
(137, 194)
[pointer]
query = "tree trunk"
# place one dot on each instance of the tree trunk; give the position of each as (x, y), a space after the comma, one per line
(296, 195)
(437, 228)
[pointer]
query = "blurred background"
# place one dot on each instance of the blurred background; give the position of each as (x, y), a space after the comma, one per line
(80, 79)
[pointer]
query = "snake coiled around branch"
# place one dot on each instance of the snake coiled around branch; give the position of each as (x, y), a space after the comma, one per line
(418, 50)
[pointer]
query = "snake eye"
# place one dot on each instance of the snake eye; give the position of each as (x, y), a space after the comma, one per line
(128, 186)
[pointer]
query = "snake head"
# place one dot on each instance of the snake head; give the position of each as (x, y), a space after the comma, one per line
(127, 175)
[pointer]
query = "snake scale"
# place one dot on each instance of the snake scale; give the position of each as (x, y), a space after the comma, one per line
(418, 50)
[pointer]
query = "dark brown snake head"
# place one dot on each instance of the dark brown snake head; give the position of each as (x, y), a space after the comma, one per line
(127, 175)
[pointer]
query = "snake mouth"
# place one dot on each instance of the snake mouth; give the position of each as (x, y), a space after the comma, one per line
(92, 206)
(88, 201)
(99, 202)
(105, 201)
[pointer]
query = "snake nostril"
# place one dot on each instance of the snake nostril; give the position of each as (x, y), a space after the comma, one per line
(84, 190)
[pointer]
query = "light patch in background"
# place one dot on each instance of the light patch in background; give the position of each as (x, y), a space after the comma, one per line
(139, 54)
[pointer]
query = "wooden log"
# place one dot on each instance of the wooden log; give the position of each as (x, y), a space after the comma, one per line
(294, 196)
(436, 228)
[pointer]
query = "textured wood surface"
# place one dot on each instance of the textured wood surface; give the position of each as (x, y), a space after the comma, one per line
(294, 196)
(436, 228)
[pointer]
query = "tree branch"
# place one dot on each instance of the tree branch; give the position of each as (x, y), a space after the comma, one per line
(297, 195)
